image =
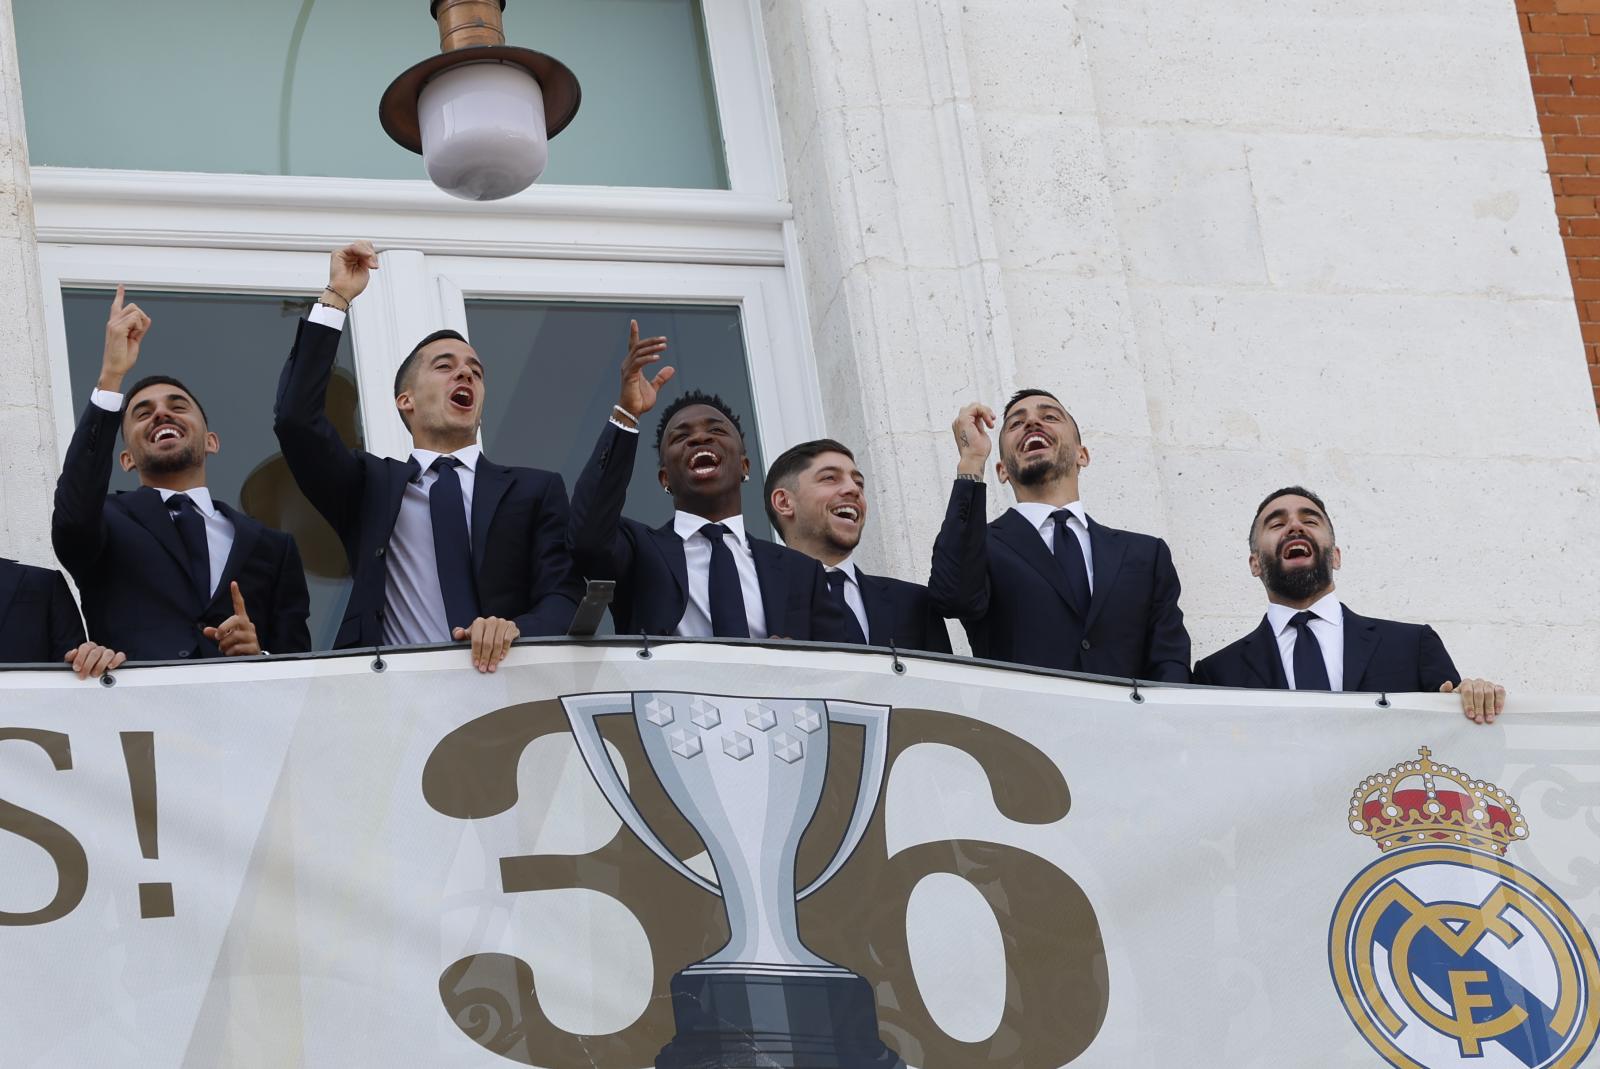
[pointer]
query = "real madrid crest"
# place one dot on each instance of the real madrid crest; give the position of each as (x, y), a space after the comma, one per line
(1444, 953)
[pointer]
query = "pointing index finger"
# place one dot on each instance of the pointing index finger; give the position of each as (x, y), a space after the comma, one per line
(633, 333)
(116, 302)
(238, 600)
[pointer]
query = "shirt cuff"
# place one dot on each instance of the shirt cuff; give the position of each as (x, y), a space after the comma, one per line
(621, 426)
(327, 315)
(105, 399)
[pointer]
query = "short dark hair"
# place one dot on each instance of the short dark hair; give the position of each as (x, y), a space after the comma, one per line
(161, 380)
(695, 397)
(1287, 491)
(790, 464)
(1034, 391)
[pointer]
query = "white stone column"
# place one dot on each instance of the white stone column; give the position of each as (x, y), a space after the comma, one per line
(27, 432)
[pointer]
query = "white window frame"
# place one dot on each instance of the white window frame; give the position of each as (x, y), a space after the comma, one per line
(271, 234)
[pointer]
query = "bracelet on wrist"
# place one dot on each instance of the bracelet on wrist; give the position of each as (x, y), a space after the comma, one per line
(336, 293)
(625, 414)
(962, 476)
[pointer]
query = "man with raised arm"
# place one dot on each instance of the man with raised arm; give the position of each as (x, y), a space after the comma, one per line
(816, 498)
(700, 574)
(167, 571)
(445, 545)
(1308, 640)
(1045, 584)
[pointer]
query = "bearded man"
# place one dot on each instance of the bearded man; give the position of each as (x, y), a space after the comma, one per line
(1309, 641)
(1044, 584)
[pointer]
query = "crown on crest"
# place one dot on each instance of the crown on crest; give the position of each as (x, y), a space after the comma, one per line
(1420, 802)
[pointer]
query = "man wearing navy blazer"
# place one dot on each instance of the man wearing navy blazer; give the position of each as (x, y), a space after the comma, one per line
(816, 498)
(167, 571)
(1308, 640)
(700, 574)
(1044, 584)
(445, 545)
(39, 623)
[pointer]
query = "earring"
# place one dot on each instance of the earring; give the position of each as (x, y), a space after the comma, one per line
(746, 478)
(666, 489)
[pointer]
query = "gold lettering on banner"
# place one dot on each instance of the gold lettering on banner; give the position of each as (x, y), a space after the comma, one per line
(1056, 982)
(72, 864)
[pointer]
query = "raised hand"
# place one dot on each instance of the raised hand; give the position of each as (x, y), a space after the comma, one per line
(971, 430)
(349, 271)
(638, 392)
(92, 660)
(491, 638)
(236, 635)
(125, 330)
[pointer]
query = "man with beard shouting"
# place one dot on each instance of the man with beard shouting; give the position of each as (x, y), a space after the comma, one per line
(699, 575)
(1309, 641)
(1045, 584)
(167, 571)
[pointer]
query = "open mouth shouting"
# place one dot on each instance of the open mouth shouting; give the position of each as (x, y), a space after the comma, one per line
(849, 513)
(1297, 548)
(1035, 442)
(461, 397)
(166, 432)
(704, 464)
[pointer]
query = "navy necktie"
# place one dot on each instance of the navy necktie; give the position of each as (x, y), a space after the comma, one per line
(723, 588)
(836, 581)
(1310, 670)
(192, 533)
(452, 548)
(1069, 554)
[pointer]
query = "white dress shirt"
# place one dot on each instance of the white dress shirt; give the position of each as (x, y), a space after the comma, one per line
(852, 591)
(1038, 514)
(413, 601)
(219, 529)
(696, 622)
(1327, 626)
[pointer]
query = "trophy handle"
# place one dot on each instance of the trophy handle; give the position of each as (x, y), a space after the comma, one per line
(583, 713)
(874, 758)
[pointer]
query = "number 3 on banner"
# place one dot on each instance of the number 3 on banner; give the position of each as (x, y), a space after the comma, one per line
(1054, 954)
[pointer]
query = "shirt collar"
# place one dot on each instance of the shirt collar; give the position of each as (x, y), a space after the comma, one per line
(1038, 512)
(1326, 608)
(685, 524)
(848, 567)
(199, 495)
(468, 455)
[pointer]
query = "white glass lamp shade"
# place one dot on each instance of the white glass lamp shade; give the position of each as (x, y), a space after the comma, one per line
(483, 134)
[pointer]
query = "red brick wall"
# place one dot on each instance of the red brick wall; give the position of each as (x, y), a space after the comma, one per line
(1562, 39)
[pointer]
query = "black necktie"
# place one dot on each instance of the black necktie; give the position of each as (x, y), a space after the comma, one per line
(1069, 554)
(836, 581)
(1310, 671)
(452, 549)
(723, 588)
(192, 533)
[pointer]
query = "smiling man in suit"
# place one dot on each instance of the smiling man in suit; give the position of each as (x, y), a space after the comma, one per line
(1044, 584)
(166, 571)
(1309, 641)
(700, 574)
(445, 545)
(817, 500)
(39, 623)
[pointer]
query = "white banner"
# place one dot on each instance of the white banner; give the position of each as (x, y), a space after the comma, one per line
(590, 859)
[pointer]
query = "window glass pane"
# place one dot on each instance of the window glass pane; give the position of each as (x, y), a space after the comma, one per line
(229, 349)
(255, 87)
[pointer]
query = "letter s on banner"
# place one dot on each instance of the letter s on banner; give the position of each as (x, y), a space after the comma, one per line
(72, 864)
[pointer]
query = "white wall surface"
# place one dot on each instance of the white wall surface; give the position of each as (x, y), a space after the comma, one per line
(1251, 244)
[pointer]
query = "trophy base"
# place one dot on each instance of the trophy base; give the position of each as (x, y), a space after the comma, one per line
(753, 1021)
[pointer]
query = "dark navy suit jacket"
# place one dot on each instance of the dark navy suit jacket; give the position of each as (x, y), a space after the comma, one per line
(38, 619)
(519, 515)
(1009, 593)
(651, 573)
(130, 566)
(1379, 655)
(901, 615)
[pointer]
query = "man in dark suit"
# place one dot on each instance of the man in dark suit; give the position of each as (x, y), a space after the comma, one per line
(816, 498)
(1044, 584)
(39, 623)
(165, 570)
(1309, 641)
(446, 544)
(698, 575)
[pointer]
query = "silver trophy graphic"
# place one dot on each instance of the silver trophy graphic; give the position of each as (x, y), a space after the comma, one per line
(747, 773)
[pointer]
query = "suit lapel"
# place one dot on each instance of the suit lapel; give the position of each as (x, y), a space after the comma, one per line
(489, 484)
(670, 546)
(150, 512)
(1107, 548)
(1262, 658)
(880, 612)
(1017, 533)
(10, 579)
(400, 473)
(1360, 642)
(772, 577)
(246, 532)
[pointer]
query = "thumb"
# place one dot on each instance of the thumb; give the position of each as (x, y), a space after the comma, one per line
(1447, 687)
(459, 633)
(238, 600)
(662, 376)
(210, 632)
